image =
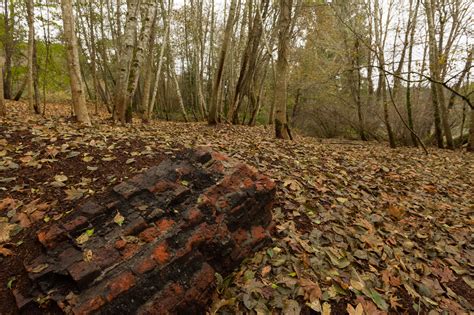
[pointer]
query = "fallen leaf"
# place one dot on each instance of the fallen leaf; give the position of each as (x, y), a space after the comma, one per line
(38, 268)
(119, 219)
(265, 271)
(88, 255)
(359, 310)
(6, 231)
(326, 309)
(292, 184)
(60, 178)
(10, 282)
(311, 289)
(74, 194)
(5, 251)
(87, 158)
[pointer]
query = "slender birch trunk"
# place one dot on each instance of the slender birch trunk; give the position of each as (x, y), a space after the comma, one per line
(3, 109)
(213, 108)
(282, 130)
(78, 97)
(31, 50)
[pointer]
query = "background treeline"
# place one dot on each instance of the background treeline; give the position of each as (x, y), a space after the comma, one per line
(396, 70)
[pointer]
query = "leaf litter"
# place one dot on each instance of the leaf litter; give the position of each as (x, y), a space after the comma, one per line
(359, 229)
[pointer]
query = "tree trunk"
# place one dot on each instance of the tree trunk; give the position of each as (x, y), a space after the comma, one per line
(93, 55)
(77, 90)
(282, 130)
(37, 104)
(408, 88)
(8, 46)
(180, 97)
(149, 10)
(148, 71)
(382, 83)
(126, 54)
(213, 108)
(434, 73)
(31, 51)
(21, 89)
(3, 109)
(470, 146)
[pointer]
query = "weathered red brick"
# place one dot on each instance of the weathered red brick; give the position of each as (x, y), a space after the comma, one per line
(89, 306)
(193, 216)
(105, 256)
(179, 192)
(149, 234)
(130, 250)
(219, 156)
(120, 284)
(91, 209)
(183, 170)
(135, 226)
(231, 219)
(247, 183)
(144, 265)
(120, 244)
(217, 167)
(160, 253)
(164, 302)
(83, 272)
(222, 204)
(126, 190)
(78, 222)
(200, 281)
(202, 154)
(51, 235)
(164, 225)
(264, 184)
(70, 256)
(161, 186)
(240, 235)
(258, 233)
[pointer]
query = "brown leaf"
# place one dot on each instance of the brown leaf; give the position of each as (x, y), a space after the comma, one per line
(266, 270)
(7, 203)
(396, 211)
(5, 251)
(311, 289)
(359, 310)
(445, 275)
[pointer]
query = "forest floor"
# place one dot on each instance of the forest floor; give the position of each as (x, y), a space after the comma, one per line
(361, 228)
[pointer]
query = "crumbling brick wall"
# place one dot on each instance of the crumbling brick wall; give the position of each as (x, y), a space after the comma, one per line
(153, 244)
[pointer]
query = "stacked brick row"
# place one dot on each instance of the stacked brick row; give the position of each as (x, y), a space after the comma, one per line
(153, 244)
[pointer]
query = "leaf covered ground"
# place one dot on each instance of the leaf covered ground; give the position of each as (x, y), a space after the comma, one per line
(360, 228)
